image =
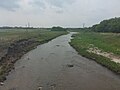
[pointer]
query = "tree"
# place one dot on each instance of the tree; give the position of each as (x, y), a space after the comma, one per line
(58, 29)
(111, 25)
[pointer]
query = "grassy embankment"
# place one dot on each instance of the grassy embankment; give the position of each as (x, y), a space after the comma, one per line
(107, 42)
(15, 37)
(9, 36)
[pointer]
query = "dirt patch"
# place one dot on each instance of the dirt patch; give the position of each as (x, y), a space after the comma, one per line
(14, 52)
(97, 51)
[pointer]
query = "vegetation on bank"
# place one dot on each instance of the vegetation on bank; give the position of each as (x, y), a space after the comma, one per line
(8, 36)
(107, 42)
(19, 42)
(111, 25)
(58, 29)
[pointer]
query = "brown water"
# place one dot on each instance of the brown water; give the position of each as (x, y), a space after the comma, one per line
(47, 67)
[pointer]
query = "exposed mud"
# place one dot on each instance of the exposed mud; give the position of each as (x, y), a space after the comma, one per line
(97, 51)
(13, 53)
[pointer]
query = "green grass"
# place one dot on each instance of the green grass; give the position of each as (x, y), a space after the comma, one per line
(11, 36)
(108, 42)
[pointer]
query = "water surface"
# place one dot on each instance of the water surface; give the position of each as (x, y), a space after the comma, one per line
(47, 67)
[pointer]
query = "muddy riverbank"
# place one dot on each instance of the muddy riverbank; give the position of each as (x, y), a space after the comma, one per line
(15, 51)
(56, 65)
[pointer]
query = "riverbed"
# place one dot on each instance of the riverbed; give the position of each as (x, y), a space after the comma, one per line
(57, 66)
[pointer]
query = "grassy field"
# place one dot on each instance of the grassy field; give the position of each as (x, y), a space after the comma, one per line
(107, 42)
(11, 37)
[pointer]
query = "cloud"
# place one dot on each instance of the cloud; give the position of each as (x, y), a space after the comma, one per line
(38, 3)
(46, 13)
(57, 5)
(60, 3)
(59, 11)
(9, 5)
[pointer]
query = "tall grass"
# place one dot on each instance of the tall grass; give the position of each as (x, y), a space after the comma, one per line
(106, 42)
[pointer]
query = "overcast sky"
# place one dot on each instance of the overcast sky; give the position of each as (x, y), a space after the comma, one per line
(48, 13)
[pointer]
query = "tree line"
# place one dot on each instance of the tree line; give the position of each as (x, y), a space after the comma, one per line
(110, 25)
(58, 28)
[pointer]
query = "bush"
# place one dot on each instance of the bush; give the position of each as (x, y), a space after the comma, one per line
(58, 29)
(111, 25)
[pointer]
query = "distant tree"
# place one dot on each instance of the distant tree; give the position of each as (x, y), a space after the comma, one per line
(111, 25)
(58, 29)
